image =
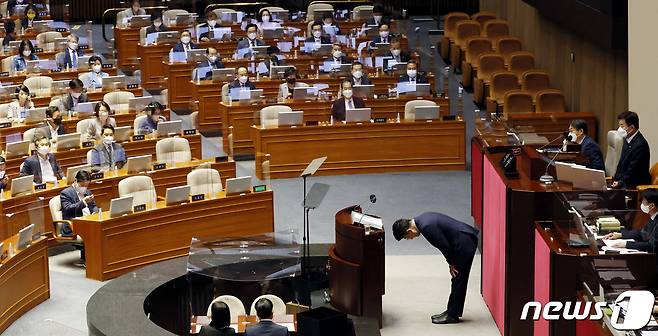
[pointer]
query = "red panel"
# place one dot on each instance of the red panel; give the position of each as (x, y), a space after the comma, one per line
(542, 281)
(493, 243)
(476, 183)
(589, 328)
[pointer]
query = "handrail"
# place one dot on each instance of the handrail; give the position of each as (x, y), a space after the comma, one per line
(116, 10)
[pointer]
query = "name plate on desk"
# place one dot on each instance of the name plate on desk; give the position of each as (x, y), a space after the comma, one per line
(312, 123)
(83, 47)
(159, 166)
(219, 159)
(139, 208)
(449, 118)
(38, 50)
(138, 137)
(41, 186)
(4, 74)
(189, 132)
(132, 86)
(97, 176)
(60, 30)
(260, 188)
(380, 120)
(199, 197)
(107, 66)
(56, 70)
(5, 124)
(87, 144)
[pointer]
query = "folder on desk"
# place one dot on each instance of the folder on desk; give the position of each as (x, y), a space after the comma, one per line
(219, 33)
(177, 56)
(284, 46)
(150, 38)
(242, 53)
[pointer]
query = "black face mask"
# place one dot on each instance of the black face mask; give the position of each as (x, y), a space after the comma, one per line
(291, 80)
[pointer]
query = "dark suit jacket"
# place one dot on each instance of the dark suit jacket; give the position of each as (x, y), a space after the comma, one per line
(266, 328)
(67, 101)
(420, 79)
(591, 149)
(236, 84)
(371, 21)
(208, 75)
(338, 107)
(244, 43)
(8, 38)
(323, 39)
(45, 130)
(210, 331)
(31, 166)
(645, 239)
(633, 167)
(72, 205)
(179, 47)
(445, 233)
(378, 39)
(65, 61)
(404, 57)
(365, 80)
(207, 34)
(151, 29)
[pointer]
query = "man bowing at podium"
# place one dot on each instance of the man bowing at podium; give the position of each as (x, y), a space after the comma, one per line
(457, 241)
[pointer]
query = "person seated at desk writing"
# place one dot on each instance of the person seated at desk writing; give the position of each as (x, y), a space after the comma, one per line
(68, 59)
(185, 43)
(265, 325)
(588, 147)
(18, 107)
(242, 80)
(108, 154)
(96, 73)
(75, 96)
(153, 117)
(396, 54)
(317, 35)
(412, 75)
(286, 89)
(43, 164)
(25, 53)
(4, 178)
(53, 126)
(646, 239)
(211, 23)
(76, 199)
(156, 24)
(101, 119)
(328, 21)
(220, 321)
(30, 14)
(135, 9)
(10, 33)
(346, 102)
(358, 76)
(251, 40)
(208, 66)
(633, 167)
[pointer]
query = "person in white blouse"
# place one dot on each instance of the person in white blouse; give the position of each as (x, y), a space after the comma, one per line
(18, 107)
(102, 117)
(286, 89)
(96, 73)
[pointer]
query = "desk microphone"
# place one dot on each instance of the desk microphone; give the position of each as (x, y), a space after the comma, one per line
(552, 141)
(373, 200)
(548, 178)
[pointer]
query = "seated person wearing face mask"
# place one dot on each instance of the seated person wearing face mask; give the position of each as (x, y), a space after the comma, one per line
(43, 164)
(53, 126)
(317, 35)
(96, 73)
(153, 116)
(273, 53)
(358, 76)
(265, 21)
(135, 9)
(633, 167)
(185, 43)
(30, 15)
(4, 179)
(211, 23)
(242, 80)
(25, 53)
(68, 59)
(346, 102)
(213, 62)
(286, 89)
(251, 40)
(377, 17)
(396, 53)
(156, 26)
(108, 154)
(383, 37)
(412, 75)
(645, 239)
(76, 199)
(328, 21)
(588, 147)
(18, 108)
(101, 118)
(75, 95)
(337, 55)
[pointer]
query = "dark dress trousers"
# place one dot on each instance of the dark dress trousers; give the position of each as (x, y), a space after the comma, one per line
(338, 107)
(592, 151)
(633, 167)
(210, 331)
(458, 242)
(266, 328)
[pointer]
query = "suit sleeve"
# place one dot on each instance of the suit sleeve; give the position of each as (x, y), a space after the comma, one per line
(69, 206)
(634, 168)
(56, 168)
(439, 241)
(594, 155)
(630, 234)
(26, 168)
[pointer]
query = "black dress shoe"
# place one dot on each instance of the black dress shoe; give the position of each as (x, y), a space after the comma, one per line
(439, 315)
(445, 319)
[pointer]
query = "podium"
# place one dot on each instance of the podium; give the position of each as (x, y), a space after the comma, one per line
(356, 268)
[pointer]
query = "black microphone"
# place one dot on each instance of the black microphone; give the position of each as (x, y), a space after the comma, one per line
(548, 178)
(552, 141)
(373, 200)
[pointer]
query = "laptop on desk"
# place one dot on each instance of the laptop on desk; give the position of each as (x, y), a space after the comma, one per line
(121, 206)
(177, 195)
(238, 185)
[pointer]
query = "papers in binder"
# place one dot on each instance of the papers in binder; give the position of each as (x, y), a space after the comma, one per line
(405, 87)
(361, 46)
(262, 68)
(177, 56)
(366, 220)
(150, 38)
(241, 53)
(379, 61)
(284, 46)
(240, 94)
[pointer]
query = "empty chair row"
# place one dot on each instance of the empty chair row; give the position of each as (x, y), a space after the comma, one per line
(504, 81)
(510, 48)
(531, 80)
(519, 101)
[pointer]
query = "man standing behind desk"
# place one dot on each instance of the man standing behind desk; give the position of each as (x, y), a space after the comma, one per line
(588, 147)
(457, 241)
(633, 167)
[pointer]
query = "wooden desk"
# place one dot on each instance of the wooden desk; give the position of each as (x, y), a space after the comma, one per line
(243, 115)
(127, 44)
(76, 157)
(361, 149)
(115, 246)
(551, 125)
(24, 280)
(93, 94)
(56, 76)
(33, 208)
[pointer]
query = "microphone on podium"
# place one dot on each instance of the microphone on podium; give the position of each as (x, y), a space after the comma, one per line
(373, 200)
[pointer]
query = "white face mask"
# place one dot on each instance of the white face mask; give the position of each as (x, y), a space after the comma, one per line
(185, 39)
(317, 33)
(395, 52)
(76, 95)
(73, 46)
(251, 36)
(157, 24)
(96, 68)
(80, 189)
(412, 73)
(573, 136)
(43, 150)
(212, 59)
(622, 132)
(266, 18)
(27, 52)
(243, 79)
(211, 23)
(383, 34)
(108, 140)
(377, 17)
(347, 94)
(644, 208)
(338, 54)
(2, 174)
(357, 74)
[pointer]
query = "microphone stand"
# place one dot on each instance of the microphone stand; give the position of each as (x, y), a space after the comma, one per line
(548, 178)
(552, 141)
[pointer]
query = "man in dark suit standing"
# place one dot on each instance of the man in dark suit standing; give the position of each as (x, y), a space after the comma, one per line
(265, 326)
(588, 147)
(457, 241)
(412, 75)
(633, 167)
(43, 165)
(76, 199)
(346, 102)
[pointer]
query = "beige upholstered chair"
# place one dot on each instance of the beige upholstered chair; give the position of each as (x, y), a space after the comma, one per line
(4, 108)
(410, 107)
(142, 35)
(46, 40)
(39, 85)
(219, 11)
(138, 120)
(84, 77)
(269, 116)
(225, 92)
(310, 12)
(7, 64)
(118, 100)
(194, 119)
(170, 14)
(279, 306)
(235, 306)
(172, 150)
(55, 207)
(615, 145)
(358, 9)
(89, 156)
(140, 188)
(29, 136)
(83, 126)
(204, 181)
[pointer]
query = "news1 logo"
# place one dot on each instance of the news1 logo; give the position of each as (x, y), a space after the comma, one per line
(638, 308)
